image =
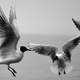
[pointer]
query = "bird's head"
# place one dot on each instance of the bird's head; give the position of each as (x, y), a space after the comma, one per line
(23, 49)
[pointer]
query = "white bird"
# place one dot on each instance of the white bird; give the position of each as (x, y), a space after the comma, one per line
(61, 57)
(9, 53)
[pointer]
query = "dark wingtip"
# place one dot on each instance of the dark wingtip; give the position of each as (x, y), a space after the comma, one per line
(74, 21)
(77, 24)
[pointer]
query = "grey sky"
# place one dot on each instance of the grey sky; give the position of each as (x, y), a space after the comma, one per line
(45, 16)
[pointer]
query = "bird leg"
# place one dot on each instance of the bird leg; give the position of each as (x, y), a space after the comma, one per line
(12, 70)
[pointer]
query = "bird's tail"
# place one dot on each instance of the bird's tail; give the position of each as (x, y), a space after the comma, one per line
(54, 69)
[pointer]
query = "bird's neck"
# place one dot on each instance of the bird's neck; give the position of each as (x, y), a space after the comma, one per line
(20, 55)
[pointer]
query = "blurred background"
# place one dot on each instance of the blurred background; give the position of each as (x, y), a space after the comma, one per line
(45, 16)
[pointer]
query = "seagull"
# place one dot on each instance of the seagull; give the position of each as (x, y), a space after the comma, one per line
(60, 56)
(9, 53)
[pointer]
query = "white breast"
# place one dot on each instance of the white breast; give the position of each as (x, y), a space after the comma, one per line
(59, 54)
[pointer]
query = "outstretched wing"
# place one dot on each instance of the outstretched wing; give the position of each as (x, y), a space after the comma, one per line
(43, 49)
(69, 46)
(77, 23)
(8, 30)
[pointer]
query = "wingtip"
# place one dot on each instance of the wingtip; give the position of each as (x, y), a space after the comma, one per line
(2, 14)
(12, 14)
(1, 10)
(73, 20)
(77, 24)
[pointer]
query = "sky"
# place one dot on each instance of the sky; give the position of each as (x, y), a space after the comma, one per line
(45, 16)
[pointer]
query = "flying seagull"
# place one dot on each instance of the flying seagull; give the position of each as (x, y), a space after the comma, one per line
(61, 57)
(9, 53)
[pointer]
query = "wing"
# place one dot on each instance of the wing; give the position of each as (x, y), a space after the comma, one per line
(77, 24)
(8, 30)
(43, 49)
(3, 15)
(69, 46)
(13, 23)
